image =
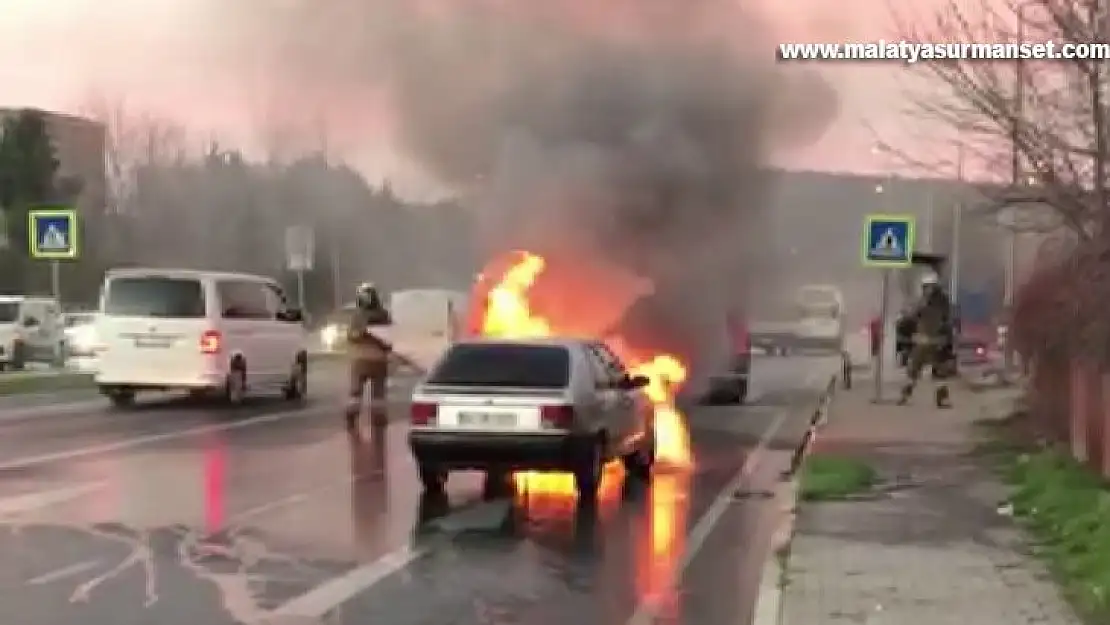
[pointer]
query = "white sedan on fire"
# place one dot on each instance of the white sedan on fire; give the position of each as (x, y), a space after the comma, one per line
(543, 404)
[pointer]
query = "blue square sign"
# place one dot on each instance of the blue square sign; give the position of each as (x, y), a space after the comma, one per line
(888, 240)
(52, 233)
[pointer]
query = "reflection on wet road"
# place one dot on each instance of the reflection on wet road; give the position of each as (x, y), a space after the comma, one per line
(179, 512)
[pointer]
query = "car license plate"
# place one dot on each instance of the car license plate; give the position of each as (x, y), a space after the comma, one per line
(487, 419)
(152, 343)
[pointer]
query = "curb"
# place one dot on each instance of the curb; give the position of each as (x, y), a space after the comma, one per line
(773, 577)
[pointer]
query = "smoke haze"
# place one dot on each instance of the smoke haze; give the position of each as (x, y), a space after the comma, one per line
(632, 135)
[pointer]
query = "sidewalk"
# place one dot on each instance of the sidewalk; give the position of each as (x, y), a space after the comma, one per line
(929, 546)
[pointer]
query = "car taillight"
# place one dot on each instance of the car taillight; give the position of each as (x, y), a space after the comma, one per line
(980, 351)
(557, 417)
(423, 413)
(211, 342)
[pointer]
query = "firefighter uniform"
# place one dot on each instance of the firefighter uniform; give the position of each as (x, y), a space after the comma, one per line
(930, 342)
(369, 357)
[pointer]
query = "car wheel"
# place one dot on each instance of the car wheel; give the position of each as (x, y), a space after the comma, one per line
(587, 474)
(235, 386)
(741, 396)
(19, 356)
(121, 397)
(296, 389)
(432, 477)
(638, 464)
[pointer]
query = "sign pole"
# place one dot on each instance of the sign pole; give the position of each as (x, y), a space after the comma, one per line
(300, 289)
(884, 313)
(56, 280)
(888, 244)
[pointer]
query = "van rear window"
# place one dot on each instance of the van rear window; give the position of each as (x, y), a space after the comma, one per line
(164, 298)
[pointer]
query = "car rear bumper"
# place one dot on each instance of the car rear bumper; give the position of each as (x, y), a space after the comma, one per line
(160, 380)
(509, 451)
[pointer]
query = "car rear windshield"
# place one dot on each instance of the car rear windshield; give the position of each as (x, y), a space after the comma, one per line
(508, 365)
(9, 312)
(169, 298)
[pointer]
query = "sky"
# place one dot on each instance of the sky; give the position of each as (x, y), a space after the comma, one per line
(186, 60)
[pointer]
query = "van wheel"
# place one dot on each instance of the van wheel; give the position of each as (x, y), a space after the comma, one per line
(121, 397)
(19, 356)
(296, 389)
(433, 478)
(587, 472)
(235, 387)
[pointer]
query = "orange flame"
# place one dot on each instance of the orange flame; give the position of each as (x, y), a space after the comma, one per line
(508, 313)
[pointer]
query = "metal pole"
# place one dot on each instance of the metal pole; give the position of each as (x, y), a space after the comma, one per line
(1016, 177)
(300, 290)
(56, 280)
(880, 358)
(930, 215)
(957, 228)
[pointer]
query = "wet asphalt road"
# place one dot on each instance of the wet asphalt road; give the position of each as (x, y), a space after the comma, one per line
(178, 512)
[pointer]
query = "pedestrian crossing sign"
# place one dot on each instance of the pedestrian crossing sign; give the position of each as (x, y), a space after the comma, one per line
(52, 234)
(888, 241)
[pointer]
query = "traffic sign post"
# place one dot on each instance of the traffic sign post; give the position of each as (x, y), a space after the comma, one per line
(888, 242)
(53, 235)
(300, 251)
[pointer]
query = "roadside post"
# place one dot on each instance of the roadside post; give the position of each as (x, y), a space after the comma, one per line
(300, 250)
(53, 235)
(888, 242)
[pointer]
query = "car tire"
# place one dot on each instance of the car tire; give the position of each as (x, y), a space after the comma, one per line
(741, 395)
(18, 361)
(432, 477)
(235, 385)
(638, 464)
(120, 397)
(296, 389)
(587, 472)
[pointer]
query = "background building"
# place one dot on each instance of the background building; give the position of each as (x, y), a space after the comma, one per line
(79, 144)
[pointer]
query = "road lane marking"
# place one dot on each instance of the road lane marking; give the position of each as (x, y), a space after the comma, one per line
(318, 602)
(647, 609)
(62, 573)
(138, 441)
(20, 504)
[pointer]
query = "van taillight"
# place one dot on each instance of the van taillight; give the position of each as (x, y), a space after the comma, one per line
(423, 413)
(557, 417)
(211, 342)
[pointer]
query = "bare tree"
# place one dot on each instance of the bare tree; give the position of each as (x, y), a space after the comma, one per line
(1041, 123)
(133, 139)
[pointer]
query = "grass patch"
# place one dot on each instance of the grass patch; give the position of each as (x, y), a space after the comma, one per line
(1066, 508)
(826, 478)
(18, 383)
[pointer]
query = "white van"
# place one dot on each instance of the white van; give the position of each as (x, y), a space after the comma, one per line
(425, 322)
(30, 331)
(227, 333)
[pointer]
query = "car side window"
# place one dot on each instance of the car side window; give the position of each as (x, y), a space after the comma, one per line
(600, 373)
(243, 300)
(613, 371)
(611, 360)
(276, 302)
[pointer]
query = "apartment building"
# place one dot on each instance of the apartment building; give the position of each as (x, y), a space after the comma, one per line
(79, 144)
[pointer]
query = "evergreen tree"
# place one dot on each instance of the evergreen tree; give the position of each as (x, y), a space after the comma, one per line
(28, 166)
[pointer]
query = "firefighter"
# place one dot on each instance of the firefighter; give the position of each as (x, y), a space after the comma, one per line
(369, 355)
(932, 317)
